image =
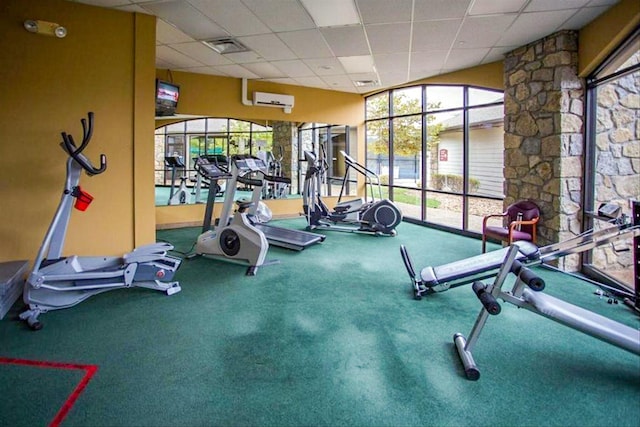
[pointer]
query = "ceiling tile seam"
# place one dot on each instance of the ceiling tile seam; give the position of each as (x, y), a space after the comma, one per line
(413, 9)
(366, 37)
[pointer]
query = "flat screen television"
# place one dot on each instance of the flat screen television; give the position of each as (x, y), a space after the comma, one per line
(167, 95)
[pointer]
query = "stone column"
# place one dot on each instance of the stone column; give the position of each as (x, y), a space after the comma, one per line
(285, 135)
(543, 140)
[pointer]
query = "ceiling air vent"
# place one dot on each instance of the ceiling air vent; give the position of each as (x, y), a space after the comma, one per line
(366, 83)
(224, 45)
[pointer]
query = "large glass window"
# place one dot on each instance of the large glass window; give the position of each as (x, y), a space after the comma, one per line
(613, 159)
(438, 149)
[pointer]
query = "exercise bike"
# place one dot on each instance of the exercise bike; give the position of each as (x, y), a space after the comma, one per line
(234, 238)
(377, 217)
(177, 196)
(58, 282)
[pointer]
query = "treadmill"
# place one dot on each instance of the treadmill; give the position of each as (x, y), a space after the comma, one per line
(297, 240)
(239, 170)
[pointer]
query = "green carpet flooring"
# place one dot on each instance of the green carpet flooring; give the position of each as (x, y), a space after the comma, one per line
(330, 336)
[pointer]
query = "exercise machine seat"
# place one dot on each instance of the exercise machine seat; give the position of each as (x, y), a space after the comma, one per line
(519, 223)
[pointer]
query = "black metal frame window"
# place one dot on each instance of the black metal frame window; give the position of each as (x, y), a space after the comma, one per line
(612, 166)
(439, 152)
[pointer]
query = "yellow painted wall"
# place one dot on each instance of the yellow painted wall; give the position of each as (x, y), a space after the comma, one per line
(601, 36)
(485, 75)
(48, 85)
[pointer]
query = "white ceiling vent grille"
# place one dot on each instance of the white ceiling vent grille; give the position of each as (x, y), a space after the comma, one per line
(224, 45)
(366, 83)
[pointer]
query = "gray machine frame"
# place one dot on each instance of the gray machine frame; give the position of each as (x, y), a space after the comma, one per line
(527, 293)
(484, 266)
(58, 282)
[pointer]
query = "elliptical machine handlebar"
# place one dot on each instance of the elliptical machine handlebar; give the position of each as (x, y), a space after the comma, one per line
(68, 144)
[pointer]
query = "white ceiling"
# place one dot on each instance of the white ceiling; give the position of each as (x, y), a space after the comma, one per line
(331, 44)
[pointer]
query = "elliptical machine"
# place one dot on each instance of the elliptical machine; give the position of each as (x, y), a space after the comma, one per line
(378, 217)
(58, 282)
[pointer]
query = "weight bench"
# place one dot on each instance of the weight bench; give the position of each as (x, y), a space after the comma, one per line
(526, 293)
(484, 266)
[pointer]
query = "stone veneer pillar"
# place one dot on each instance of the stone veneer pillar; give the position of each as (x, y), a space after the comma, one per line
(285, 135)
(543, 140)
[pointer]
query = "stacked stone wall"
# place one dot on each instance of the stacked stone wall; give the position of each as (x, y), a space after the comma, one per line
(285, 135)
(543, 141)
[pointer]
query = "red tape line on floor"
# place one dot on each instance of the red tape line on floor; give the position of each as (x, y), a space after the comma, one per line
(90, 371)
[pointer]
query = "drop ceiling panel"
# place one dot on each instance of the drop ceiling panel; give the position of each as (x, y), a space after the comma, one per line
(325, 66)
(383, 11)
(244, 57)
(177, 59)
(431, 60)
(183, 15)
(434, 35)
(533, 26)
(295, 68)
(340, 81)
(281, 15)
(264, 69)
(306, 43)
(393, 63)
(201, 53)
(346, 41)
(236, 71)
(546, 5)
(497, 54)
(204, 70)
(483, 31)
(487, 7)
(312, 82)
(269, 46)
(231, 15)
(167, 33)
(389, 38)
(428, 10)
(462, 56)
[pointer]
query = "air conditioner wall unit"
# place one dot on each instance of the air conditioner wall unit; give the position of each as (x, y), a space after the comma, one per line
(264, 99)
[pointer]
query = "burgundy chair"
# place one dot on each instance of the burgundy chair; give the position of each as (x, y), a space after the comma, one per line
(518, 223)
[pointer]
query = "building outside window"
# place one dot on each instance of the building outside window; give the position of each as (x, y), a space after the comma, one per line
(439, 152)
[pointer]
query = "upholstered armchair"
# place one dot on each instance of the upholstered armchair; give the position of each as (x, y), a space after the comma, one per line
(519, 222)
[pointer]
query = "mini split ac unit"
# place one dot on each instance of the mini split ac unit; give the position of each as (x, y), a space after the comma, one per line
(273, 100)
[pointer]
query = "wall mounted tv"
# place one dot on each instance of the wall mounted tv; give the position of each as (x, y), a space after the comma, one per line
(167, 95)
